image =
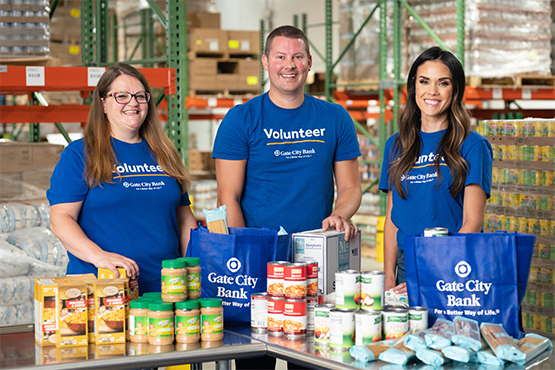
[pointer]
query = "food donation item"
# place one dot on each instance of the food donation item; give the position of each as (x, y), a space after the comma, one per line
(431, 357)
(418, 318)
(216, 220)
(342, 329)
(46, 322)
(71, 314)
(416, 340)
(275, 316)
(532, 345)
(275, 270)
(294, 280)
(311, 303)
(370, 352)
(174, 278)
(486, 356)
(440, 334)
(322, 324)
(211, 319)
(138, 321)
(347, 289)
(398, 354)
(294, 318)
(467, 333)
(187, 321)
(259, 312)
(160, 323)
(368, 326)
(110, 320)
(372, 289)
(436, 231)
(500, 342)
(312, 278)
(395, 322)
(193, 276)
(460, 354)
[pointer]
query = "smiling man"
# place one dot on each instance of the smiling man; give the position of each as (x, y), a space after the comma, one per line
(277, 155)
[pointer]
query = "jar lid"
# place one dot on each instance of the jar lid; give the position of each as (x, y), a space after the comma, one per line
(140, 304)
(160, 306)
(210, 302)
(187, 305)
(152, 295)
(192, 261)
(183, 259)
(173, 264)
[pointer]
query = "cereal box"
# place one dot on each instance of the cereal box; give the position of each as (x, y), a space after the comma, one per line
(109, 311)
(71, 313)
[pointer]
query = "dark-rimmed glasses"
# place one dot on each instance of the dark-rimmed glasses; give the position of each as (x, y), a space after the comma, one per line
(124, 97)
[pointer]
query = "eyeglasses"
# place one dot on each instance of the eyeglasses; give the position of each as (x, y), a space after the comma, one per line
(124, 97)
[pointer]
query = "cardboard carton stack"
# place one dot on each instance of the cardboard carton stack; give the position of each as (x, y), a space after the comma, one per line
(65, 33)
(220, 61)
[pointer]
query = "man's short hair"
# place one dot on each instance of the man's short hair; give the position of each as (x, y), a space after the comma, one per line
(285, 31)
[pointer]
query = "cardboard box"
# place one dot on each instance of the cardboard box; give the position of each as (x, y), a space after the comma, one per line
(203, 66)
(46, 155)
(331, 251)
(243, 42)
(227, 81)
(16, 157)
(207, 40)
(38, 178)
(201, 161)
(203, 20)
(203, 82)
(71, 314)
(249, 75)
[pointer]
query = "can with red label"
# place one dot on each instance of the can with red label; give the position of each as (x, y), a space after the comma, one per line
(311, 303)
(312, 278)
(259, 312)
(275, 316)
(321, 294)
(294, 318)
(294, 280)
(275, 278)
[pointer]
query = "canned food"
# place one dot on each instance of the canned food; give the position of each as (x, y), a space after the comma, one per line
(275, 278)
(528, 128)
(545, 227)
(536, 251)
(395, 322)
(532, 297)
(534, 226)
(484, 128)
(294, 282)
(342, 329)
(494, 128)
(311, 303)
(494, 150)
(513, 224)
(347, 288)
(508, 128)
(312, 278)
(418, 318)
(372, 288)
(259, 312)
(322, 323)
(510, 176)
(275, 316)
(294, 318)
(495, 175)
(368, 326)
(527, 152)
(436, 231)
(528, 201)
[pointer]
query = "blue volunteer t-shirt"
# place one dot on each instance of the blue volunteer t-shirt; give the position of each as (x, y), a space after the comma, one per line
(426, 204)
(290, 153)
(135, 216)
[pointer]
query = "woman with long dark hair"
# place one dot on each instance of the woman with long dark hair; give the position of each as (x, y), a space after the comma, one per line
(119, 196)
(436, 171)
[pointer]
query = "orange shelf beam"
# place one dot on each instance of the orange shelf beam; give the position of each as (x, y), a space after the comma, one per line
(37, 113)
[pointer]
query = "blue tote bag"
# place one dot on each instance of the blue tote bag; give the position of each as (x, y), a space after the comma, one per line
(234, 266)
(481, 276)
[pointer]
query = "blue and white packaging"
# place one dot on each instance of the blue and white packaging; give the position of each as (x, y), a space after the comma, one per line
(440, 334)
(432, 357)
(501, 343)
(460, 354)
(467, 333)
(416, 341)
(532, 345)
(398, 355)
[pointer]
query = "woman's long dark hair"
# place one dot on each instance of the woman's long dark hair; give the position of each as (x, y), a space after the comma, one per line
(408, 144)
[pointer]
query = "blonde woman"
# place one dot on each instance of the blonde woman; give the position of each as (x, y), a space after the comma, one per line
(119, 196)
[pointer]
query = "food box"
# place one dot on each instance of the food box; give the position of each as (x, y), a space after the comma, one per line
(71, 314)
(330, 250)
(110, 317)
(46, 322)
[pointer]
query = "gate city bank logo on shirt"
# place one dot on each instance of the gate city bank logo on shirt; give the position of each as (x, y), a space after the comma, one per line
(133, 172)
(426, 160)
(463, 270)
(299, 136)
(233, 282)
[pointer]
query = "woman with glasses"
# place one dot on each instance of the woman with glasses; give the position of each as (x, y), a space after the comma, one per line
(119, 196)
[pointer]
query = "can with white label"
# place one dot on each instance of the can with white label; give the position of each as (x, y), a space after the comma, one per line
(275, 316)
(372, 289)
(418, 318)
(322, 324)
(436, 231)
(311, 303)
(259, 312)
(395, 322)
(294, 318)
(275, 271)
(347, 289)
(342, 329)
(368, 326)
(294, 280)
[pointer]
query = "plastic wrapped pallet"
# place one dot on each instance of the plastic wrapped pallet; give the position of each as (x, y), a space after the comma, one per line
(498, 42)
(17, 216)
(39, 243)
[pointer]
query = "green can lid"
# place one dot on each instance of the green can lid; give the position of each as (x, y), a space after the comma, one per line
(518, 116)
(152, 295)
(173, 264)
(160, 306)
(140, 304)
(183, 259)
(187, 305)
(210, 302)
(192, 261)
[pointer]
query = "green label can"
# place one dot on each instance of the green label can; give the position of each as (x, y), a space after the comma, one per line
(342, 329)
(395, 322)
(368, 326)
(347, 289)
(372, 288)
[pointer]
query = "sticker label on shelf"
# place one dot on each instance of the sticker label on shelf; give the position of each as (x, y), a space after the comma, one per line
(34, 76)
(526, 94)
(93, 75)
(497, 93)
(3, 69)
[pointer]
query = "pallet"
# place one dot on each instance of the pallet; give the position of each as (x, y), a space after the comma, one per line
(223, 93)
(521, 81)
(368, 87)
(223, 56)
(29, 61)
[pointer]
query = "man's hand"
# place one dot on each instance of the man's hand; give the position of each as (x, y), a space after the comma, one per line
(340, 223)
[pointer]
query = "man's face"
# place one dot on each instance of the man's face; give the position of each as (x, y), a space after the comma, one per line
(287, 66)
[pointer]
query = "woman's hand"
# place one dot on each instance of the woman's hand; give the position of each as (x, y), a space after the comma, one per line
(401, 288)
(112, 261)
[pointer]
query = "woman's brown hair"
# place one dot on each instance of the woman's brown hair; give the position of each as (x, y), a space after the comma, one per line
(408, 144)
(100, 157)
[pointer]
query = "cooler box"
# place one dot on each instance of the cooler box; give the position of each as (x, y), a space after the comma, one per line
(331, 251)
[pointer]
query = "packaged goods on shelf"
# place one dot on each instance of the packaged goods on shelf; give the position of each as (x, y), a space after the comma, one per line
(24, 30)
(205, 195)
(497, 42)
